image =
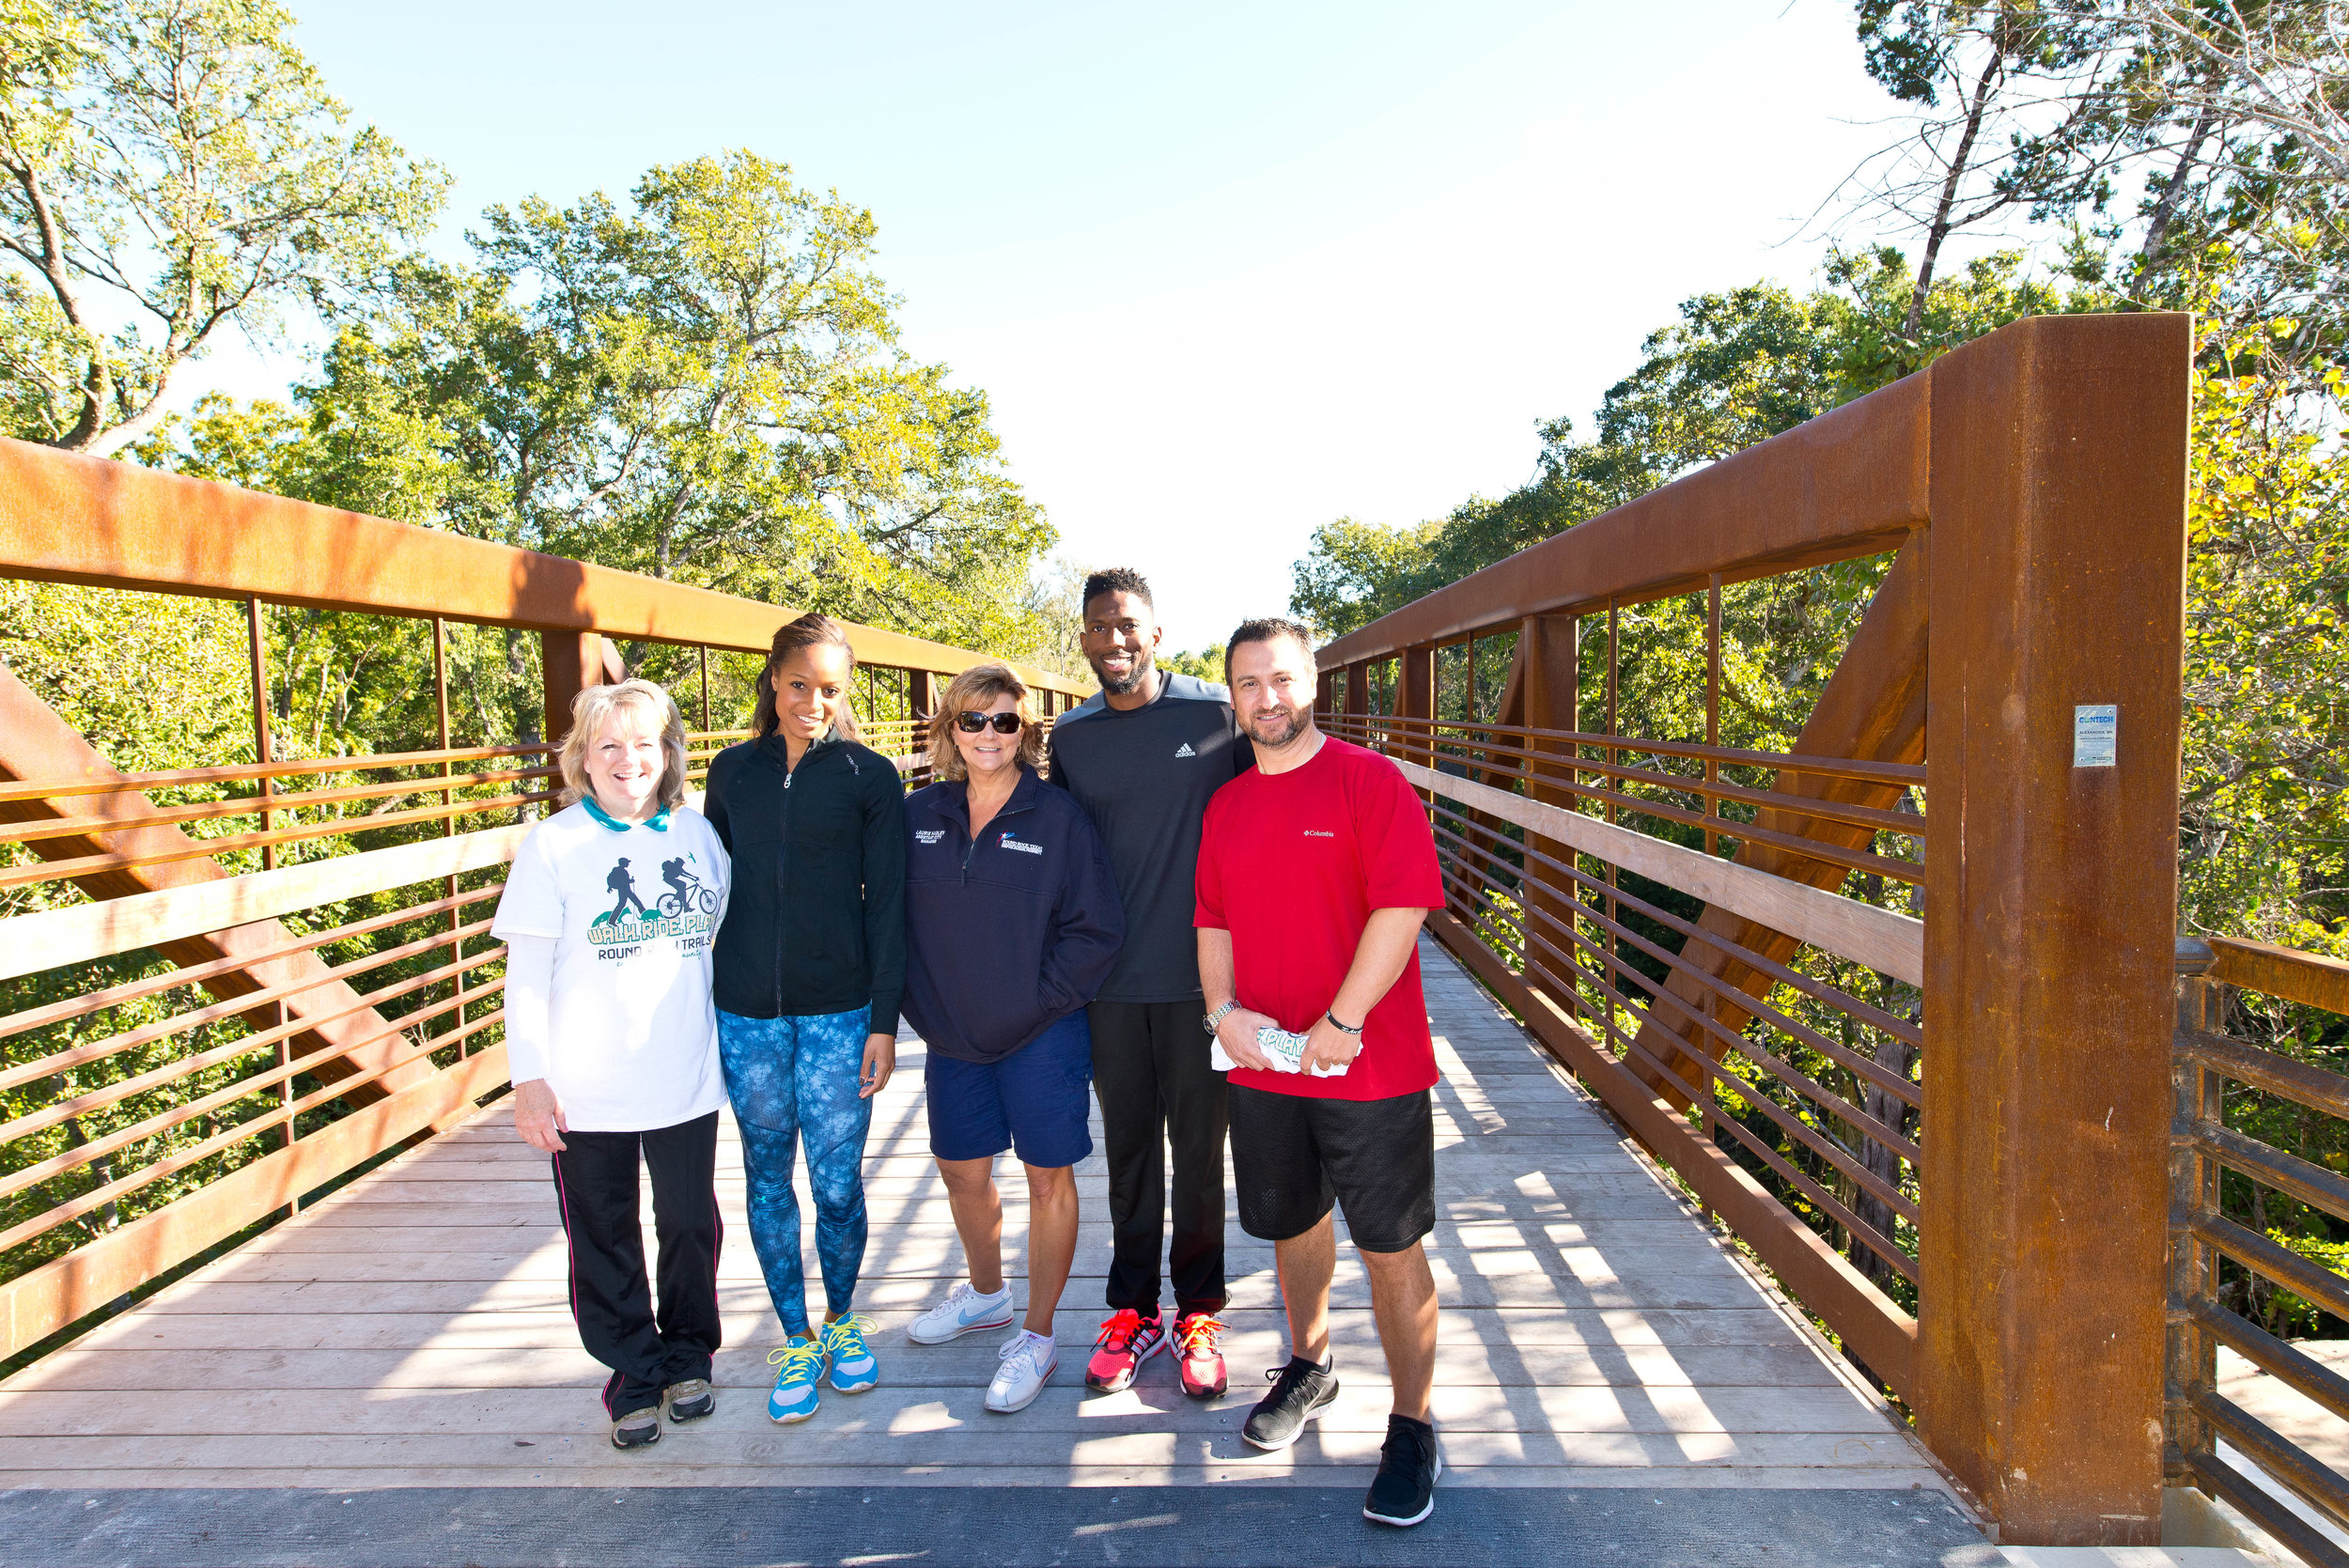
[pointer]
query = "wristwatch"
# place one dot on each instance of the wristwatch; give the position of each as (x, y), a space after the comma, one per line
(1216, 1017)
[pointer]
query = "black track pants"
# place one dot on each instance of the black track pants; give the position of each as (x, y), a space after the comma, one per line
(595, 1179)
(1150, 1070)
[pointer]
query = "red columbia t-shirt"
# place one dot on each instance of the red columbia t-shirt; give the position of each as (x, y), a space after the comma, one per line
(1292, 865)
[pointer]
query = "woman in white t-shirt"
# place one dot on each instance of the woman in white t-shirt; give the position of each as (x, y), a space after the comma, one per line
(608, 916)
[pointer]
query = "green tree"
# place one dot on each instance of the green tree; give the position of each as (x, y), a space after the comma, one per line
(704, 383)
(168, 167)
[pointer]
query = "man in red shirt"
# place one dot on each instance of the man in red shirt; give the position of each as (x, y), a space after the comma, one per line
(1316, 872)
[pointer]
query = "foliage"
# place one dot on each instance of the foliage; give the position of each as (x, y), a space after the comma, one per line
(171, 166)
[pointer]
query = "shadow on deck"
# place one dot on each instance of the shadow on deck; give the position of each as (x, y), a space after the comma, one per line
(1609, 1374)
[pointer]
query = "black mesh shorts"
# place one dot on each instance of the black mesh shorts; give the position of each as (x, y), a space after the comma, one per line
(1293, 1153)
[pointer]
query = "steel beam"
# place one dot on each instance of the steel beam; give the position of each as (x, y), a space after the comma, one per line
(2059, 525)
(69, 518)
(1851, 482)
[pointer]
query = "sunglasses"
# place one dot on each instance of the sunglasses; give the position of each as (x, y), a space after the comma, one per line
(972, 723)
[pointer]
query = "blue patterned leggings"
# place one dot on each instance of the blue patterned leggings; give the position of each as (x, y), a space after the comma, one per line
(792, 1080)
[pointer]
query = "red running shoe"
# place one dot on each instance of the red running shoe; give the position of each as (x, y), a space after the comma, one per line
(1127, 1340)
(1199, 1347)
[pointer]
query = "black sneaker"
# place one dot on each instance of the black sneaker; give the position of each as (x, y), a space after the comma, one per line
(637, 1429)
(1300, 1391)
(689, 1401)
(1405, 1492)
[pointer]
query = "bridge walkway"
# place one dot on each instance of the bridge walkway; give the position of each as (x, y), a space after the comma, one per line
(410, 1332)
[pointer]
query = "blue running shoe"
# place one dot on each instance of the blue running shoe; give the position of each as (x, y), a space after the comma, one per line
(854, 1367)
(802, 1363)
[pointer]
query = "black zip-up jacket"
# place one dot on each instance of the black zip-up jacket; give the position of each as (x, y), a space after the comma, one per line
(817, 918)
(1009, 935)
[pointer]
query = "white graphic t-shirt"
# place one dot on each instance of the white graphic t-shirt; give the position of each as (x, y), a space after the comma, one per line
(630, 1042)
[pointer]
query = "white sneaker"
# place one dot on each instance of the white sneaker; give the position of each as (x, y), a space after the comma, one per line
(1028, 1363)
(963, 1310)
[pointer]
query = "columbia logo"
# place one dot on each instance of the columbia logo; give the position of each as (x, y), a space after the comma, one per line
(1316, 832)
(1184, 751)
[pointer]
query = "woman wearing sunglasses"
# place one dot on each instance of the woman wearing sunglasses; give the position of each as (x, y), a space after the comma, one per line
(1012, 923)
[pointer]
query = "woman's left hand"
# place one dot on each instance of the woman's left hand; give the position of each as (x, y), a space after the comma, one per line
(881, 1059)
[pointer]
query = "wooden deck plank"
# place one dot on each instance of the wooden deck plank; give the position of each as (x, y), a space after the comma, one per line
(410, 1330)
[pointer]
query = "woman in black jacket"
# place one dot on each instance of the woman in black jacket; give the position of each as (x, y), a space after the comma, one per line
(809, 971)
(1012, 923)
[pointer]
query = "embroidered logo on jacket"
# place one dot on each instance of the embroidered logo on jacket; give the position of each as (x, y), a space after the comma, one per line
(1010, 843)
(1184, 751)
(1317, 833)
(929, 835)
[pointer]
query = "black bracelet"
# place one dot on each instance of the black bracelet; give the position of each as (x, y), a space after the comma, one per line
(1341, 1027)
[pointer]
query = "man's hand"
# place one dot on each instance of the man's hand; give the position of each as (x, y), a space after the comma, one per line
(538, 1115)
(1238, 1033)
(880, 1061)
(1327, 1045)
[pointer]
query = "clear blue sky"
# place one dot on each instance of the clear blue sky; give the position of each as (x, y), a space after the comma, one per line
(1227, 270)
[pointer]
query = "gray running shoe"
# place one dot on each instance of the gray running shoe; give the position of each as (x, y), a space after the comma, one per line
(638, 1429)
(1300, 1391)
(689, 1401)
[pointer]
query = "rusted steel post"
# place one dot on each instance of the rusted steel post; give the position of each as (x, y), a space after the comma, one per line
(1549, 650)
(448, 823)
(1416, 683)
(261, 746)
(920, 700)
(1712, 706)
(574, 661)
(2193, 1349)
(1358, 699)
(705, 673)
(263, 752)
(2059, 486)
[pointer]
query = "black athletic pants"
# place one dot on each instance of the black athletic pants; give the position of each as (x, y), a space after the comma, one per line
(1150, 1070)
(595, 1180)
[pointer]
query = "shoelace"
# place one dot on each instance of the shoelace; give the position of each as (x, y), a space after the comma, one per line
(1118, 1333)
(1017, 1345)
(846, 1336)
(1200, 1334)
(797, 1357)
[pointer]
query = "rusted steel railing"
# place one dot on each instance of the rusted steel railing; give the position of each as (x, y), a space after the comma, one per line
(224, 988)
(1588, 960)
(1959, 1113)
(2228, 1241)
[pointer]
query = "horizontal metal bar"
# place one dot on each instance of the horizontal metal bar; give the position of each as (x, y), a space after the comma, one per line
(2307, 978)
(52, 938)
(195, 975)
(207, 848)
(2305, 1374)
(183, 777)
(2316, 1482)
(2272, 1167)
(1888, 943)
(2265, 1069)
(1784, 762)
(1792, 1077)
(231, 1007)
(252, 805)
(2312, 1284)
(1759, 1007)
(66, 518)
(2222, 1481)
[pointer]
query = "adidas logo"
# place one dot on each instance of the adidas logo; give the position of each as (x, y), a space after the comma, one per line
(1185, 751)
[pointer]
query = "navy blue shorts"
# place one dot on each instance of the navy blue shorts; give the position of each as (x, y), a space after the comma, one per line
(1036, 1101)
